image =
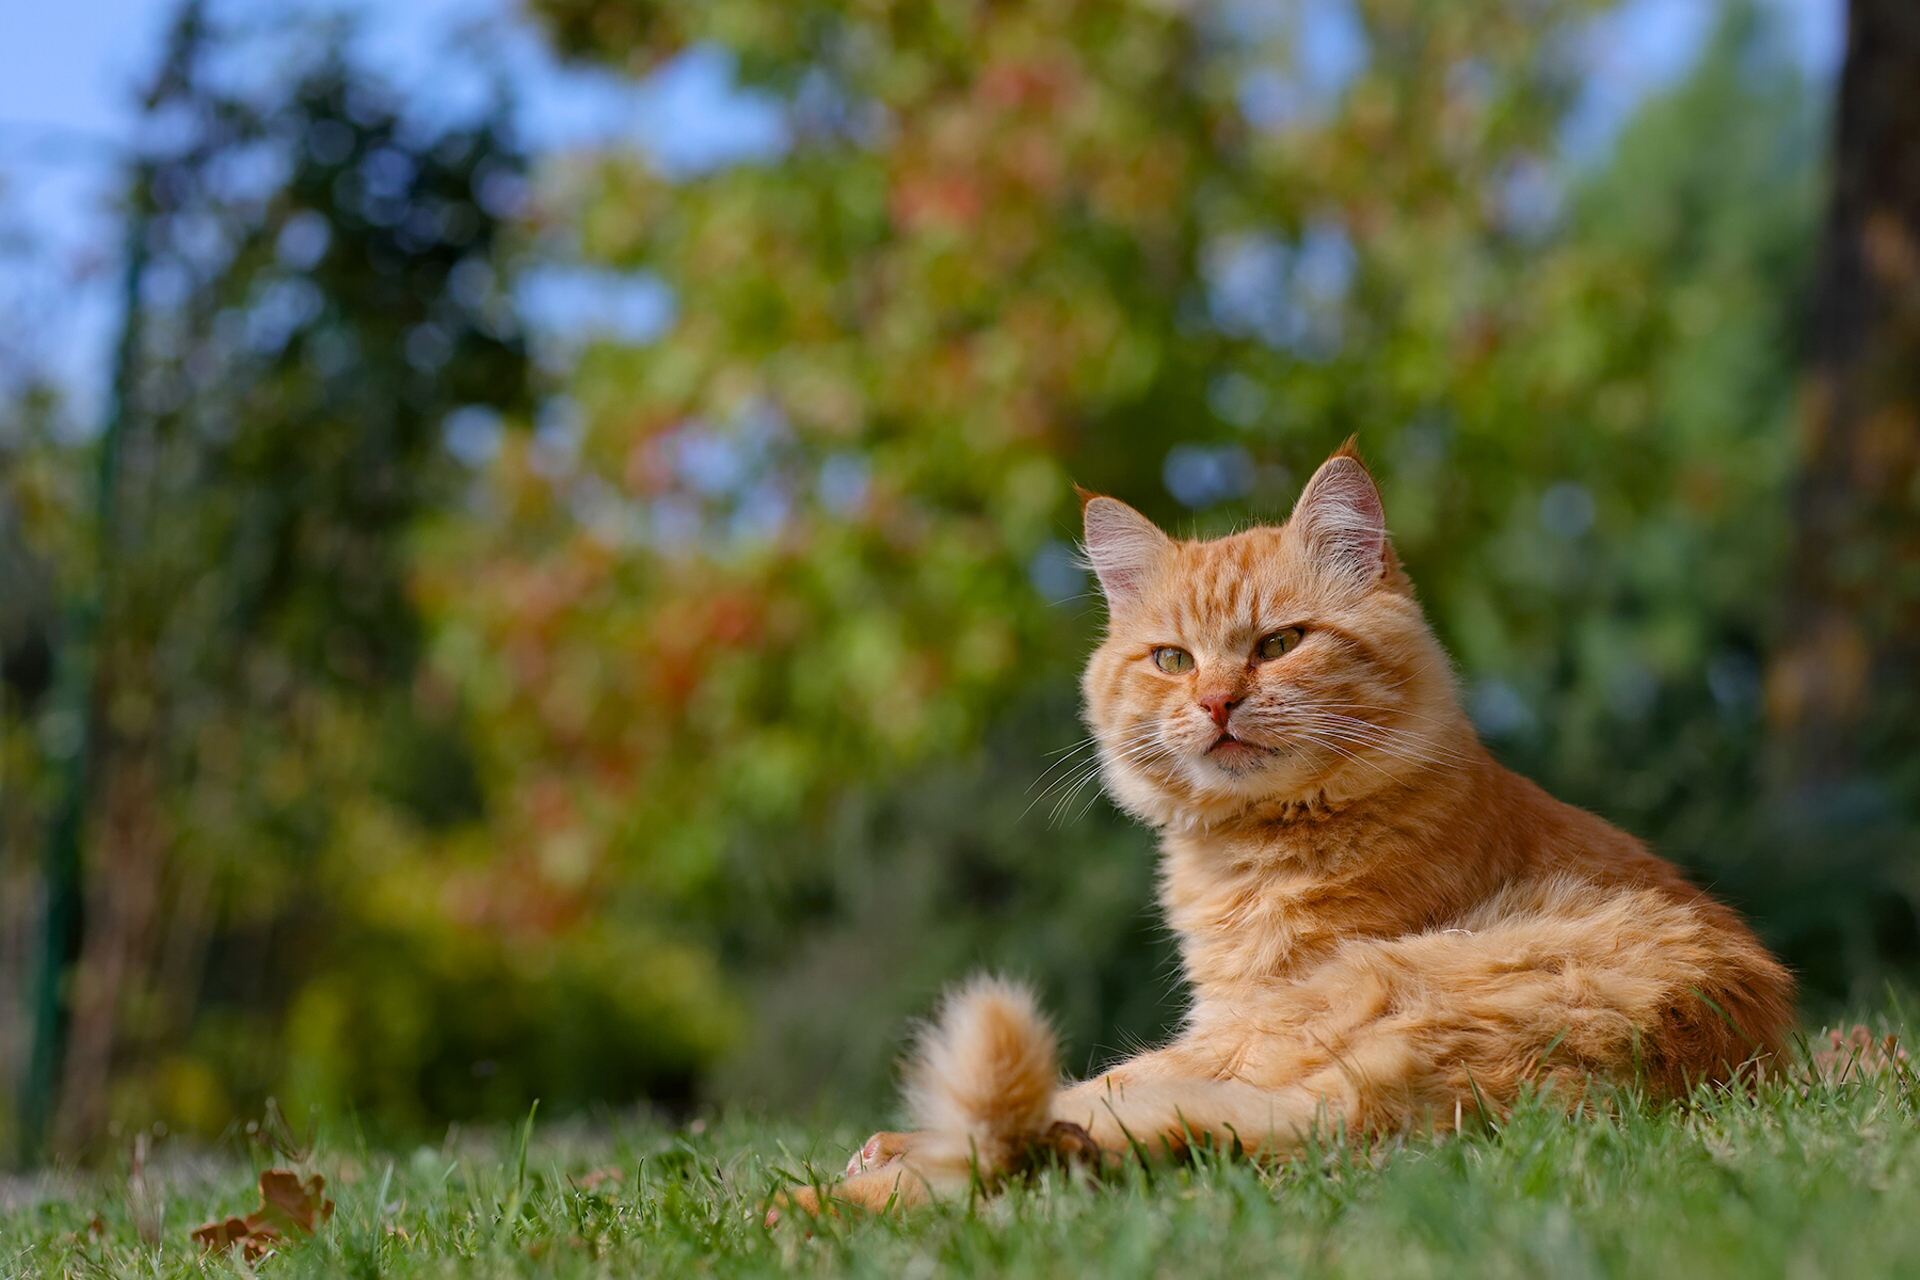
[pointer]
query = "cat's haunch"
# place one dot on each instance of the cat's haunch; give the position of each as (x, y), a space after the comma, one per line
(1382, 927)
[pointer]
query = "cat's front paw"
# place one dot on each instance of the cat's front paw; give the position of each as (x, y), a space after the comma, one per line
(873, 1181)
(893, 1185)
(805, 1199)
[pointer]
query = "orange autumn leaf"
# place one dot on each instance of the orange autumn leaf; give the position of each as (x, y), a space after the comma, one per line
(288, 1207)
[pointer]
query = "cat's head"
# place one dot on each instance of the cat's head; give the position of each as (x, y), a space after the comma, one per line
(1279, 666)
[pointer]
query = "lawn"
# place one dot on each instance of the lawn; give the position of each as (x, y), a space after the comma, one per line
(1819, 1180)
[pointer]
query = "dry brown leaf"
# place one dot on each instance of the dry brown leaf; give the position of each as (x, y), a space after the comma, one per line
(593, 1178)
(218, 1237)
(298, 1203)
(288, 1207)
(1855, 1055)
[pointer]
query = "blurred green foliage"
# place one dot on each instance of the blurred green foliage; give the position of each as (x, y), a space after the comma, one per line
(743, 713)
(1014, 247)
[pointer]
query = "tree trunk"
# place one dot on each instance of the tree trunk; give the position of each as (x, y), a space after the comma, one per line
(1841, 690)
(127, 859)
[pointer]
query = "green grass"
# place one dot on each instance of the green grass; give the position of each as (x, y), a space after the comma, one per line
(1817, 1183)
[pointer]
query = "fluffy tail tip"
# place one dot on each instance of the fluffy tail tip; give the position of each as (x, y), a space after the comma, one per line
(985, 1071)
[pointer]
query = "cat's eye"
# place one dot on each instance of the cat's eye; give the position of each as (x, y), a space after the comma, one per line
(1175, 662)
(1279, 642)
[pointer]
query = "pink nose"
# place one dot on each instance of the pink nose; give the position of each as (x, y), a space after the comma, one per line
(1220, 706)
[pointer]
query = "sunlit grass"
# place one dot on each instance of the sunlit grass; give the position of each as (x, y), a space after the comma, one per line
(1820, 1180)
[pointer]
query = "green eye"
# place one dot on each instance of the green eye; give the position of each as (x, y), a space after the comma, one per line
(1173, 661)
(1279, 642)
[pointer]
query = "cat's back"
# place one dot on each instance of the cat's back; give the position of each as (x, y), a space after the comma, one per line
(1472, 849)
(1589, 878)
(1570, 860)
(1544, 837)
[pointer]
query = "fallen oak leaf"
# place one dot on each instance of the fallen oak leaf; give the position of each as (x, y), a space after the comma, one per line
(295, 1202)
(288, 1207)
(218, 1237)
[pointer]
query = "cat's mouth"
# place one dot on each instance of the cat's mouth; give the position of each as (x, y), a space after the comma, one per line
(1228, 747)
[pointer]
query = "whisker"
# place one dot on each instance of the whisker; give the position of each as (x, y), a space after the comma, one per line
(1066, 761)
(1067, 786)
(1158, 751)
(1411, 750)
(1070, 792)
(1341, 751)
(1382, 733)
(1070, 764)
(1398, 711)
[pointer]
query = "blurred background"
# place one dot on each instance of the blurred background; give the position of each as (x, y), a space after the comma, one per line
(536, 541)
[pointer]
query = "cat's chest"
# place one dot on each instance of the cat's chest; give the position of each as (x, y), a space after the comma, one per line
(1288, 900)
(1241, 915)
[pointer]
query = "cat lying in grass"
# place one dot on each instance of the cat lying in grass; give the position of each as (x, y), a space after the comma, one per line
(1383, 928)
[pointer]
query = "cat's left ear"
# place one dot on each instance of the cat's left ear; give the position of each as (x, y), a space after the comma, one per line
(1340, 520)
(1124, 547)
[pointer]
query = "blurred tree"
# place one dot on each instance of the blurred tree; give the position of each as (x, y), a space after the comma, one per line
(746, 677)
(1846, 671)
(1176, 252)
(313, 291)
(1843, 687)
(77, 687)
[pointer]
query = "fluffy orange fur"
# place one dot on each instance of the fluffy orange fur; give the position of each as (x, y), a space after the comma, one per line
(1382, 927)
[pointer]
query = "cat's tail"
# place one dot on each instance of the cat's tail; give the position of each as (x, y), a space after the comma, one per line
(984, 1074)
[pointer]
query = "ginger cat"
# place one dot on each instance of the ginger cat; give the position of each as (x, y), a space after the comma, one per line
(1383, 928)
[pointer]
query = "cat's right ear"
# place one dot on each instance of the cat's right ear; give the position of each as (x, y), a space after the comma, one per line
(1340, 521)
(1123, 546)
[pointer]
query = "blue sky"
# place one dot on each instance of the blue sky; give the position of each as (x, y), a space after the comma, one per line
(68, 71)
(68, 76)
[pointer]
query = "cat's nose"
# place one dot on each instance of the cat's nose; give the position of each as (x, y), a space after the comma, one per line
(1220, 706)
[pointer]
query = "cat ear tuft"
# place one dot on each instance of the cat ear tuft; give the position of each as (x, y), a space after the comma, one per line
(1123, 546)
(1340, 520)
